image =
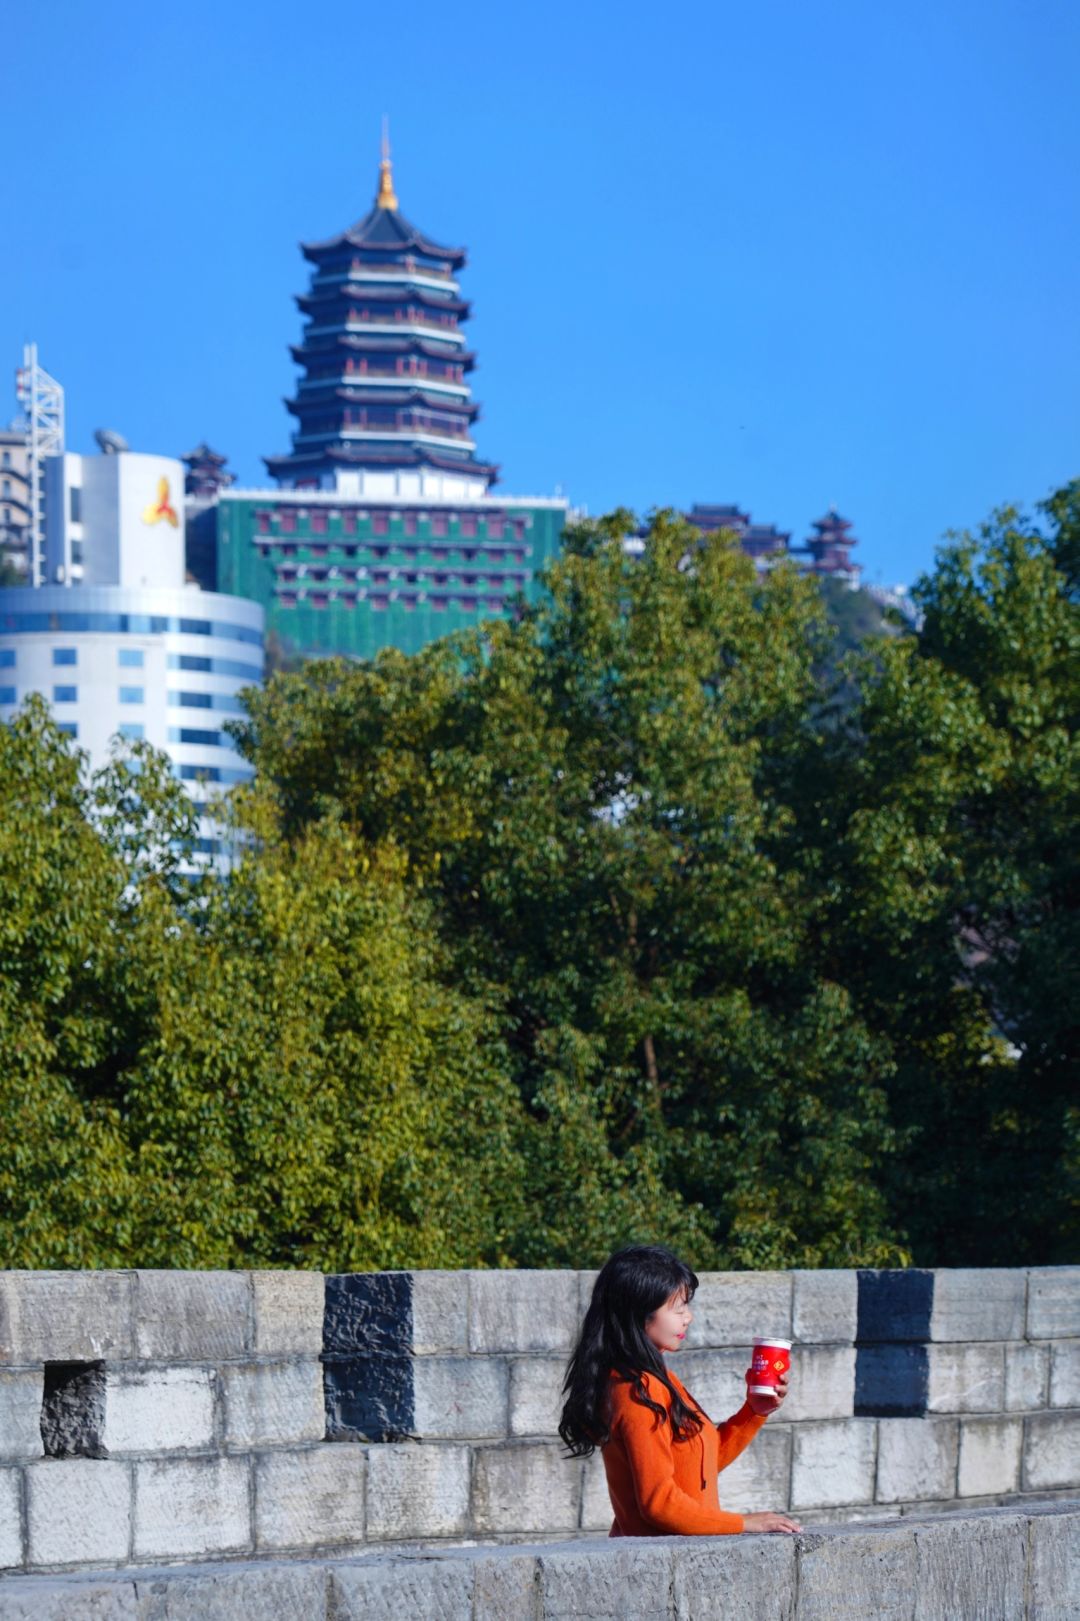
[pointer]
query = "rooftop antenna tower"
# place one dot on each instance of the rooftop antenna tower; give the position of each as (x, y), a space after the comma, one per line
(42, 401)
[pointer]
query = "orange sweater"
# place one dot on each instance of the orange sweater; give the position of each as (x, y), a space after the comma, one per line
(660, 1486)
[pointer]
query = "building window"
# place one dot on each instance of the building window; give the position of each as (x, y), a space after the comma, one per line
(318, 523)
(64, 655)
(7, 695)
(467, 527)
(131, 695)
(132, 729)
(7, 658)
(438, 523)
(130, 658)
(69, 728)
(7, 489)
(75, 504)
(262, 523)
(288, 523)
(494, 528)
(65, 695)
(188, 734)
(380, 523)
(7, 458)
(410, 523)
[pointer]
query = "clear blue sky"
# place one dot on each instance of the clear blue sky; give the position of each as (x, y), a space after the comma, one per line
(784, 254)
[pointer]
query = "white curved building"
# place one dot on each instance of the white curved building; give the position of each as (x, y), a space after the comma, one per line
(138, 653)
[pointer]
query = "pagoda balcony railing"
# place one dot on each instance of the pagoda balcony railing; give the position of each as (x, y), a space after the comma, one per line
(408, 266)
(394, 379)
(441, 334)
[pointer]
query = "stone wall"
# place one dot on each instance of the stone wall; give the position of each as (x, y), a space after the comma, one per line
(997, 1564)
(165, 1416)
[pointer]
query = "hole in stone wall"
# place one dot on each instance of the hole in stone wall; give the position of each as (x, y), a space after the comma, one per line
(73, 1410)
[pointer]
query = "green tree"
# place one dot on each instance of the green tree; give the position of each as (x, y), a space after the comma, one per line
(589, 793)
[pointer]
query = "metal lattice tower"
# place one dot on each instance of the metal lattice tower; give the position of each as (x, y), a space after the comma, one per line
(42, 400)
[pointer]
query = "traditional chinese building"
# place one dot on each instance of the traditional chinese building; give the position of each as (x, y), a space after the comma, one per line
(384, 405)
(383, 530)
(829, 548)
(206, 474)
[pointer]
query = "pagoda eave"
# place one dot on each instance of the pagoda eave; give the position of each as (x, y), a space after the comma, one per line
(304, 353)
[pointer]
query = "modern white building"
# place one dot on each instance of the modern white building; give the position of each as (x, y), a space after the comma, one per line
(118, 642)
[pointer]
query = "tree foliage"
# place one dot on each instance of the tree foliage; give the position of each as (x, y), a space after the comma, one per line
(640, 916)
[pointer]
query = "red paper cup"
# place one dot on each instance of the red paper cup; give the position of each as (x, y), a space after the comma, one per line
(771, 1360)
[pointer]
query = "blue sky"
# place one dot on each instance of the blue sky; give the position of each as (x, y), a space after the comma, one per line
(785, 255)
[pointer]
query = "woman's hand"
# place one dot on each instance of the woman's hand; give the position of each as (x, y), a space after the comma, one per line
(770, 1522)
(767, 1404)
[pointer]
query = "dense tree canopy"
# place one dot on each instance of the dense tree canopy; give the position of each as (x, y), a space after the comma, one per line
(637, 917)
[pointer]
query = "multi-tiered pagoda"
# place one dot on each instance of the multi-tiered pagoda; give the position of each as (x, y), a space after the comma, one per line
(829, 549)
(383, 407)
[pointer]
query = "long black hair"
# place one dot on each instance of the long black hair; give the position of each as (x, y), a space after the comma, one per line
(630, 1286)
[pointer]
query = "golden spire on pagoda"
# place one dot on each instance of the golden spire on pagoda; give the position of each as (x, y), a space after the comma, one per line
(387, 197)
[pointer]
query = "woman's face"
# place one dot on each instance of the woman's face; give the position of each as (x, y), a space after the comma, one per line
(667, 1326)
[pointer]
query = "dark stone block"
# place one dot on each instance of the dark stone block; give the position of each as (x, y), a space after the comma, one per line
(891, 1381)
(894, 1306)
(73, 1410)
(368, 1311)
(368, 1398)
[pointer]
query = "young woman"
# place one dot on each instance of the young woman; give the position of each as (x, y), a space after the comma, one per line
(661, 1453)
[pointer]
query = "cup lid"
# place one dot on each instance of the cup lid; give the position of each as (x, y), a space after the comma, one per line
(771, 1339)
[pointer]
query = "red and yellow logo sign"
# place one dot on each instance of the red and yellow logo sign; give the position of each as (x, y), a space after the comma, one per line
(162, 508)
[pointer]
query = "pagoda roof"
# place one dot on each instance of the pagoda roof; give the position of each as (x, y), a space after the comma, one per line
(368, 455)
(302, 353)
(831, 521)
(357, 394)
(203, 453)
(373, 292)
(387, 231)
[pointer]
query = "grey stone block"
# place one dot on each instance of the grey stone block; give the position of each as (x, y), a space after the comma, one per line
(310, 1498)
(1051, 1451)
(825, 1307)
(630, 1583)
(11, 1536)
(522, 1311)
(857, 1573)
(744, 1578)
(822, 1383)
(191, 1506)
(833, 1463)
(270, 1403)
(240, 1592)
(159, 1409)
(1055, 1567)
(58, 1598)
(1053, 1302)
(732, 1308)
(536, 1395)
(381, 1590)
(288, 1308)
(193, 1314)
(1026, 1377)
(966, 1379)
(78, 1511)
(1065, 1373)
(973, 1568)
(586, 1284)
(989, 1456)
(978, 1303)
(417, 1492)
(597, 1513)
(917, 1459)
(20, 1415)
(525, 1487)
(460, 1398)
(760, 1477)
(65, 1316)
(440, 1303)
(505, 1586)
(715, 1378)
